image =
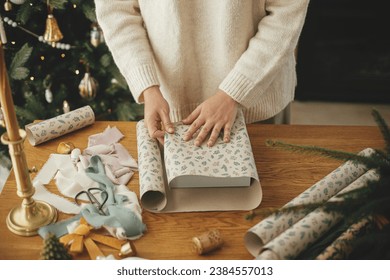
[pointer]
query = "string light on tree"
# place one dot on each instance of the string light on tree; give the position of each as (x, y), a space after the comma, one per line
(65, 107)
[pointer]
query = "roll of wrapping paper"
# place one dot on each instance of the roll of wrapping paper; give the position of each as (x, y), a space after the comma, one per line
(46, 130)
(297, 238)
(342, 247)
(157, 196)
(320, 192)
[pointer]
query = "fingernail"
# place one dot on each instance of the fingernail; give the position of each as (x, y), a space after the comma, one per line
(197, 143)
(170, 130)
(226, 139)
(209, 144)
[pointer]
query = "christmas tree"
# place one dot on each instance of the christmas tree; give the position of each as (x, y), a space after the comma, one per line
(53, 249)
(56, 56)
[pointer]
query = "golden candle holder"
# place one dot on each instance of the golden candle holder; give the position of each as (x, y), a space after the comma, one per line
(27, 218)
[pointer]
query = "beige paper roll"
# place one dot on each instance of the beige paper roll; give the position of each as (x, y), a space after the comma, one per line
(341, 247)
(293, 241)
(46, 130)
(323, 190)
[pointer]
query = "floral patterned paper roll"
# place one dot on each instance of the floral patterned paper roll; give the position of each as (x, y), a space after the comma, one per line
(342, 246)
(160, 167)
(321, 191)
(293, 241)
(46, 130)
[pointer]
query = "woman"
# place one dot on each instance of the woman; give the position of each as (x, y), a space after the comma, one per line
(199, 61)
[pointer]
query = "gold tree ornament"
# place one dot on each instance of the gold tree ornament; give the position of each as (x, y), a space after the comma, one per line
(7, 6)
(52, 33)
(88, 86)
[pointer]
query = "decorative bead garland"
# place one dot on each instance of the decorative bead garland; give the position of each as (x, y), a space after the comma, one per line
(57, 45)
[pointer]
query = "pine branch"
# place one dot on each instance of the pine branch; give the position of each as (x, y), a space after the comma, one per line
(17, 70)
(118, 76)
(25, 114)
(306, 208)
(56, 4)
(89, 11)
(384, 128)
(371, 162)
(24, 13)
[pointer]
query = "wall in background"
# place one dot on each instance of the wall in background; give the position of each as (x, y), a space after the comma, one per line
(344, 52)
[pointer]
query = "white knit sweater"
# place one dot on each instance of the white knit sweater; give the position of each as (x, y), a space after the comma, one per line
(190, 48)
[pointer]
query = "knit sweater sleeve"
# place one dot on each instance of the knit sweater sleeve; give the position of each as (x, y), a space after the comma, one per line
(127, 39)
(276, 39)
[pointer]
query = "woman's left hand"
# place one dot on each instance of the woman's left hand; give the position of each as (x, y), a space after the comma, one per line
(214, 114)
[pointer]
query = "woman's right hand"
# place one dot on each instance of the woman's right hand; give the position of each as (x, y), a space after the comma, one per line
(156, 114)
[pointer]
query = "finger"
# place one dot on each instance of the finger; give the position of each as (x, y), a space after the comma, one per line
(226, 132)
(166, 122)
(202, 135)
(192, 130)
(153, 127)
(192, 117)
(214, 136)
(158, 134)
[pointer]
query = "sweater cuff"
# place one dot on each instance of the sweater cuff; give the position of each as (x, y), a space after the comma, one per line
(140, 79)
(238, 87)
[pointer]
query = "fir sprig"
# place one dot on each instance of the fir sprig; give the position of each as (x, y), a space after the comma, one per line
(371, 162)
(384, 128)
(17, 70)
(372, 200)
(57, 4)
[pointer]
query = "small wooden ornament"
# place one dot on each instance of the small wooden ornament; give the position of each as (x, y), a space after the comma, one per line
(207, 241)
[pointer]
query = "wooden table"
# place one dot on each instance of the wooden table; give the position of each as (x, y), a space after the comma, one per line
(283, 176)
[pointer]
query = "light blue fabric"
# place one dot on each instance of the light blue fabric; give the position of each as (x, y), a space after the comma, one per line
(117, 216)
(59, 229)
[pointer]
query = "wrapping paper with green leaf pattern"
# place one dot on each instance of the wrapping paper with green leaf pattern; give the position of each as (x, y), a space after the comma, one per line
(272, 226)
(293, 241)
(181, 158)
(46, 130)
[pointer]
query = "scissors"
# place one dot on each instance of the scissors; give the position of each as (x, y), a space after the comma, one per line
(92, 198)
